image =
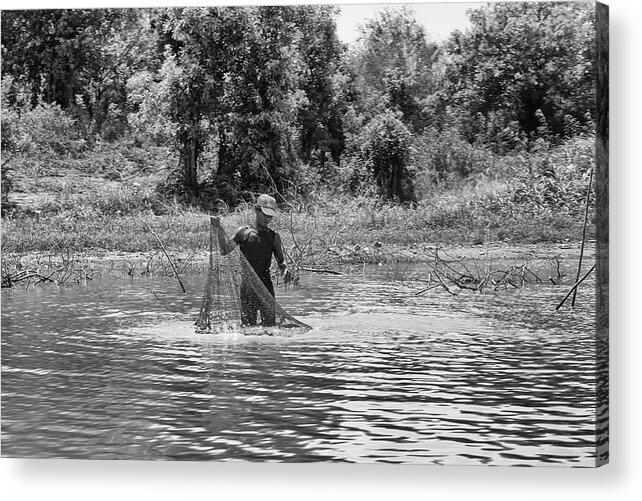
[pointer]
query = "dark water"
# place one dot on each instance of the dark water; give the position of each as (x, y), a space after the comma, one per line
(115, 371)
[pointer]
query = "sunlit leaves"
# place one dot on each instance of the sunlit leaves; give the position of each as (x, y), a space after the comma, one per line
(393, 64)
(523, 59)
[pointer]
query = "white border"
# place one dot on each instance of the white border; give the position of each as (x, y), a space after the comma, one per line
(68, 480)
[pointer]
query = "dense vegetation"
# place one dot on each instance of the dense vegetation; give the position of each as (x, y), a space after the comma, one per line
(485, 136)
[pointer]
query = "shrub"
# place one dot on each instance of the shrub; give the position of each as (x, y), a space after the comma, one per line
(444, 155)
(6, 185)
(556, 178)
(386, 151)
(43, 130)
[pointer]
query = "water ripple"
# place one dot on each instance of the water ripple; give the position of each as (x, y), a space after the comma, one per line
(384, 376)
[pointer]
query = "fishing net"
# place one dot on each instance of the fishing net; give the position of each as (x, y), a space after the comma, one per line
(234, 287)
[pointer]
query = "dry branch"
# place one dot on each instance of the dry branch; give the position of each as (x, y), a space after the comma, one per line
(461, 273)
(167, 256)
(320, 270)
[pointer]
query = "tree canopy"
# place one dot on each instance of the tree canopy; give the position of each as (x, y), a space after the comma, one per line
(268, 97)
(523, 69)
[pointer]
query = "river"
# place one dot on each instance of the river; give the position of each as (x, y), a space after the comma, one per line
(114, 370)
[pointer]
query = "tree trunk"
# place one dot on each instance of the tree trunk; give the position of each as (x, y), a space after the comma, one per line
(189, 161)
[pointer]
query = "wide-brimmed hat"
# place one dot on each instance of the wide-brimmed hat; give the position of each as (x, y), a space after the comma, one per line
(267, 205)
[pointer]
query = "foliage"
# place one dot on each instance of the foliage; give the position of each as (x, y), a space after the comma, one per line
(253, 84)
(262, 135)
(320, 113)
(524, 70)
(393, 62)
(6, 185)
(386, 152)
(149, 109)
(266, 98)
(78, 59)
(442, 156)
(44, 130)
(557, 178)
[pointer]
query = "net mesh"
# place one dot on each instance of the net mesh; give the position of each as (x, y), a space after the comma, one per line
(233, 289)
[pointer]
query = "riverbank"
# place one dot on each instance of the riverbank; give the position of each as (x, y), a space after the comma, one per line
(107, 212)
(70, 248)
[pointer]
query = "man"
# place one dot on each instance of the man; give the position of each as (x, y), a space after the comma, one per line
(258, 243)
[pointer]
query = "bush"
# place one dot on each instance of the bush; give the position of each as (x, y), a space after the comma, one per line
(444, 155)
(6, 185)
(43, 130)
(556, 178)
(386, 152)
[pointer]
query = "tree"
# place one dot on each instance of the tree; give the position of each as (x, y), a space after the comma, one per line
(320, 115)
(255, 81)
(201, 46)
(76, 58)
(393, 65)
(524, 67)
(259, 137)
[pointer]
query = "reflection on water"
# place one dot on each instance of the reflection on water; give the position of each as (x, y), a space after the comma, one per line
(115, 371)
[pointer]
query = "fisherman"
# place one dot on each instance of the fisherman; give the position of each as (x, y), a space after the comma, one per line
(258, 243)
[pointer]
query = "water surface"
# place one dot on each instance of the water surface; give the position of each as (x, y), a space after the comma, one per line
(115, 371)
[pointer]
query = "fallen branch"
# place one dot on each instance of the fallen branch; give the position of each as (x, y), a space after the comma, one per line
(10, 280)
(320, 270)
(167, 256)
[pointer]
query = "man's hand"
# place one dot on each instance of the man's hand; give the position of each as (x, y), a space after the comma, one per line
(286, 274)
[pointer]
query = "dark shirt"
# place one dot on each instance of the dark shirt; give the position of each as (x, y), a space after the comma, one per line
(257, 249)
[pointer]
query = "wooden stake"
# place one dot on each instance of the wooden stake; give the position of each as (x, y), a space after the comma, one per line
(579, 266)
(574, 288)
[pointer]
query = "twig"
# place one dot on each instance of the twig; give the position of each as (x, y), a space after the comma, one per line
(167, 256)
(296, 245)
(7, 160)
(287, 254)
(441, 282)
(574, 288)
(539, 280)
(434, 286)
(445, 263)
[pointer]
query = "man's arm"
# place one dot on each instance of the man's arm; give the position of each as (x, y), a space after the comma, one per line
(226, 246)
(280, 259)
